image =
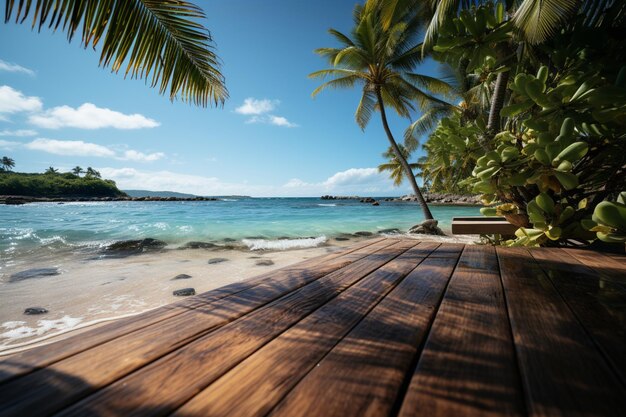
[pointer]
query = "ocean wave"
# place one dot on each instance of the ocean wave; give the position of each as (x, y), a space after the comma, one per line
(327, 205)
(19, 330)
(228, 199)
(284, 244)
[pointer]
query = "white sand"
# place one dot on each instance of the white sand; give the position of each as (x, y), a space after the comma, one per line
(87, 292)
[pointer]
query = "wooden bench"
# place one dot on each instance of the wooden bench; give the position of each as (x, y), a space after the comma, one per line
(480, 225)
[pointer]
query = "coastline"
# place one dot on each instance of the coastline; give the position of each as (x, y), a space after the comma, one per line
(90, 291)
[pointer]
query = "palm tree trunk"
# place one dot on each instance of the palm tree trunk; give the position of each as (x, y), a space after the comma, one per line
(497, 102)
(407, 169)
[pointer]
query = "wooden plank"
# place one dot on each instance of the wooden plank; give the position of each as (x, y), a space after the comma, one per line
(27, 361)
(563, 373)
(467, 366)
(607, 266)
(40, 392)
(486, 226)
(363, 374)
(599, 304)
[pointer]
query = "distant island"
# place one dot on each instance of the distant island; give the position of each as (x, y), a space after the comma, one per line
(54, 186)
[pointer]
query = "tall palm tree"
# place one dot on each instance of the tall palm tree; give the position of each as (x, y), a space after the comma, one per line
(7, 163)
(77, 170)
(51, 170)
(160, 40)
(380, 59)
(394, 166)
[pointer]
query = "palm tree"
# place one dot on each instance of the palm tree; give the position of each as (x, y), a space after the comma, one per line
(51, 170)
(161, 41)
(380, 60)
(394, 166)
(92, 173)
(7, 163)
(77, 170)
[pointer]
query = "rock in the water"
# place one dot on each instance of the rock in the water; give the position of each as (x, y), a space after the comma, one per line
(181, 276)
(363, 234)
(376, 203)
(184, 292)
(394, 230)
(130, 247)
(427, 227)
(229, 239)
(342, 239)
(35, 310)
(33, 273)
(265, 262)
(198, 245)
(217, 260)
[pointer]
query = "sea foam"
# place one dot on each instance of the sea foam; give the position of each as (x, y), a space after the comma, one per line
(284, 244)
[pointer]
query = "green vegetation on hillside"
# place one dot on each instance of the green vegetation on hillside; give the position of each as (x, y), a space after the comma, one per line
(56, 185)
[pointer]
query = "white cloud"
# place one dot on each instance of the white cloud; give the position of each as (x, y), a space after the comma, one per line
(252, 106)
(8, 145)
(69, 147)
(281, 121)
(89, 116)
(131, 155)
(13, 101)
(355, 181)
(18, 133)
(259, 109)
(11, 67)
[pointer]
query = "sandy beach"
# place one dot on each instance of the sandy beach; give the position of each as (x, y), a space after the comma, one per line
(88, 291)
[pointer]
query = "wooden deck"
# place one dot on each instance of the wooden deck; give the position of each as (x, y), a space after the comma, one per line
(383, 328)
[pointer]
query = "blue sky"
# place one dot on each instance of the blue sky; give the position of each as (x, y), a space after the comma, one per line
(58, 108)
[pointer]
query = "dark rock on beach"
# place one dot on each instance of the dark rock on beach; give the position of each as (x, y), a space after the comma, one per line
(33, 273)
(363, 234)
(341, 239)
(35, 310)
(217, 260)
(428, 227)
(131, 247)
(265, 262)
(198, 245)
(183, 292)
(181, 276)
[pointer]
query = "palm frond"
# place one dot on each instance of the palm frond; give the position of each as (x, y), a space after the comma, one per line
(440, 10)
(364, 110)
(432, 84)
(427, 122)
(344, 39)
(537, 20)
(341, 82)
(158, 40)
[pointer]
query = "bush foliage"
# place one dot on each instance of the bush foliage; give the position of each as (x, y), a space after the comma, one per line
(56, 185)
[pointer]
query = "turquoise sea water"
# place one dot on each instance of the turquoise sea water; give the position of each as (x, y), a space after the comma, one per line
(82, 225)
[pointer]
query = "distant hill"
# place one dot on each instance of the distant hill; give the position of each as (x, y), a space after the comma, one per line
(146, 193)
(51, 185)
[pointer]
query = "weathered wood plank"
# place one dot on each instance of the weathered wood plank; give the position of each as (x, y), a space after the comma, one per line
(63, 382)
(363, 374)
(27, 361)
(467, 366)
(563, 373)
(609, 267)
(165, 380)
(599, 304)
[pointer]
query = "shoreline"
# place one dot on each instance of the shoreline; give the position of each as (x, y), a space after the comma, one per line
(89, 291)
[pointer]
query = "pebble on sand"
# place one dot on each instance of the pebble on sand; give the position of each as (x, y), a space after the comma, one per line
(35, 310)
(217, 260)
(181, 276)
(183, 292)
